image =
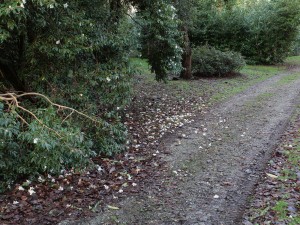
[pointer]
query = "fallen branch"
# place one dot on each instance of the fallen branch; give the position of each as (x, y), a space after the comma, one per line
(12, 100)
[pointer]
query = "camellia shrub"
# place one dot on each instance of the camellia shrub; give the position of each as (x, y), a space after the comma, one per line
(65, 78)
(39, 146)
(208, 61)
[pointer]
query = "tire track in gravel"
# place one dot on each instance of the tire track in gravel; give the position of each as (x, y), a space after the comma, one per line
(223, 154)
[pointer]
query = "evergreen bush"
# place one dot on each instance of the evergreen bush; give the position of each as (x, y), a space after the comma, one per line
(263, 32)
(208, 61)
(38, 148)
(77, 54)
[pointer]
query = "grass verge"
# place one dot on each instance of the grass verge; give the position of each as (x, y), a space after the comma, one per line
(213, 90)
(293, 60)
(277, 198)
(288, 79)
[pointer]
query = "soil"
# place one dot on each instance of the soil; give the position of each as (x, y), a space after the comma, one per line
(212, 166)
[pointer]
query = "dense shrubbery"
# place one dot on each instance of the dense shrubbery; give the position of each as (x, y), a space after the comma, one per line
(296, 46)
(208, 61)
(161, 38)
(76, 53)
(36, 148)
(263, 32)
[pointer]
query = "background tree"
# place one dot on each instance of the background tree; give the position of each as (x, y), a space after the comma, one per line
(263, 31)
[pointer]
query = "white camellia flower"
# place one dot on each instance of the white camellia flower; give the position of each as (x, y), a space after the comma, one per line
(66, 5)
(51, 6)
(57, 42)
(108, 79)
(22, 5)
(35, 140)
(24, 1)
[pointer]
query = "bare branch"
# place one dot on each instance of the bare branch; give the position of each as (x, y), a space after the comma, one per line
(12, 99)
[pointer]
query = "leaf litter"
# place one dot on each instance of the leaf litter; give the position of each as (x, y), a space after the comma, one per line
(277, 196)
(49, 199)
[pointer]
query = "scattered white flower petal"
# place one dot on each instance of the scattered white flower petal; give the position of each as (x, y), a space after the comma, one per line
(60, 188)
(106, 187)
(216, 196)
(15, 202)
(93, 186)
(121, 191)
(40, 179)
(134, 184)
(20, 188)
(31, 191)
(99, 168)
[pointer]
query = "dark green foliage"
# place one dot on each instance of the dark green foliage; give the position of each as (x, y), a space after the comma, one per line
(208, 61)
(77, 54)
(161, 38)
(35, 148)
(263, 32)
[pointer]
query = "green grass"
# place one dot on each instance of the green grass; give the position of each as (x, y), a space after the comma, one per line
(141, 65)
(262, 70)
(294, 60)
(259, 100)
(252, 76)
(216, 89)
(289, 78)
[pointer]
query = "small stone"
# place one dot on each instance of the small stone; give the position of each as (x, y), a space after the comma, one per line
(248, 171)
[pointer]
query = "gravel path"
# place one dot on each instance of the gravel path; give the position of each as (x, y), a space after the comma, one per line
(214, 163)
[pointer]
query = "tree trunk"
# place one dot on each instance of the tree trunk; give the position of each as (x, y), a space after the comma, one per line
(10, 76)
(186, 57)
